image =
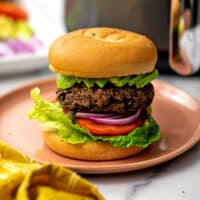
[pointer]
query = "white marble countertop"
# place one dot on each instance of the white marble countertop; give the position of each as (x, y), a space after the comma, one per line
(178, 179)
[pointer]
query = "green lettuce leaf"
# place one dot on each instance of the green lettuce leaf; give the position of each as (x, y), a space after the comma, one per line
(64, 82)
(53, 119)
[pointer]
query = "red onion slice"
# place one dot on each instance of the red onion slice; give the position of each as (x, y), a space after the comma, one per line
(15, 47)
(95, 115)
(117, 116)
(121, 121)
(19, 46)
(24, 46)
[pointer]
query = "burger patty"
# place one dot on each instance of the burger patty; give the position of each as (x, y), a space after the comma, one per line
(112, 99)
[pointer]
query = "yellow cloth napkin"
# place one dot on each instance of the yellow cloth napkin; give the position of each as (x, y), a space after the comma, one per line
(23, 179)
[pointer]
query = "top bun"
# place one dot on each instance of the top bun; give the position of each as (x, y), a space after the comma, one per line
(102, 53)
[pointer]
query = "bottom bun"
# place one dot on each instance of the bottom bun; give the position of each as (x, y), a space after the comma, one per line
(88, 151)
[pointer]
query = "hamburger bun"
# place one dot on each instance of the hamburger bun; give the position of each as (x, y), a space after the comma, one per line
(88, 151)
(102, 53)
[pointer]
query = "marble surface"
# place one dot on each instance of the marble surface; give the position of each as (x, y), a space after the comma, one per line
(178, 179)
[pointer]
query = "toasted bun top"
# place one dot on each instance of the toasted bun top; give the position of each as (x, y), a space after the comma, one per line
(101, 53)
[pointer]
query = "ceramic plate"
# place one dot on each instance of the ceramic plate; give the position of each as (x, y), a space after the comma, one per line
(177, 113)
(23, 63)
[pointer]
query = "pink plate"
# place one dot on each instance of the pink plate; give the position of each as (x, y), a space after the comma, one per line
(177, 113)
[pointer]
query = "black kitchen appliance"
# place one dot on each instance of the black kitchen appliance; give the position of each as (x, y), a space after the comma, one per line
(164, 21)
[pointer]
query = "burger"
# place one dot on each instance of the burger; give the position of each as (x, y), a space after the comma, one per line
(104, 95)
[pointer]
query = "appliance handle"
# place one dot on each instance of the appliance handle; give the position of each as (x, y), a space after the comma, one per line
(184, 43)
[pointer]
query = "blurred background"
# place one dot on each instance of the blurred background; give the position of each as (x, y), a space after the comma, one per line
(28, 27)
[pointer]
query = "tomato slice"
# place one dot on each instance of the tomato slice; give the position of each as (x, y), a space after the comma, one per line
(13, 10)
(101, 129)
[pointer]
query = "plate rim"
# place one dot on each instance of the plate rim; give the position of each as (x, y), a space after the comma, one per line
(25, 56)
(17, 64)
(123, 167)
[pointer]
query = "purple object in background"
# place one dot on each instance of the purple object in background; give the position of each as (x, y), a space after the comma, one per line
(5, 50)
(24, 46)
(11, 44)
(18, 46)
(36, 43)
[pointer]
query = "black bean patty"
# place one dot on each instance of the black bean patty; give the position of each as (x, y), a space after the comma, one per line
(112, 99)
